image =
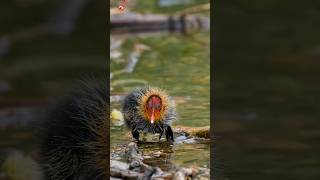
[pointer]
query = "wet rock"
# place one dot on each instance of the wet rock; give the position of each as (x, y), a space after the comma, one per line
(147, 157)
(157, 154)
(118, 165)
(116, 98)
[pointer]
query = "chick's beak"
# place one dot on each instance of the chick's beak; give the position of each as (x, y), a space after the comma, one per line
(152, 116)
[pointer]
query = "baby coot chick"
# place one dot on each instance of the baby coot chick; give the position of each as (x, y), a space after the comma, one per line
(75, 135)
(151, 110)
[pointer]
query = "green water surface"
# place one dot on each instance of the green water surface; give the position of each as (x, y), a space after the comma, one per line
(181, 66)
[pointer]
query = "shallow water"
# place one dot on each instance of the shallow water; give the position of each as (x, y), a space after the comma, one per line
(179, 65)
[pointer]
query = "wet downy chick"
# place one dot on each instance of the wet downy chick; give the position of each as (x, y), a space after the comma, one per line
(74, 136)
(151, 110)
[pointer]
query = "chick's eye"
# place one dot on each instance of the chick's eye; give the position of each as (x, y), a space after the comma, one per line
(157, 106)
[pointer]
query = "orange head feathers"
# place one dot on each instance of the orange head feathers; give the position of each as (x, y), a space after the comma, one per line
(149, 109)
(154, 105)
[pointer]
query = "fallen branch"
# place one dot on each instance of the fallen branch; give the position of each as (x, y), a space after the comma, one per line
(132, 61)
(201, 132)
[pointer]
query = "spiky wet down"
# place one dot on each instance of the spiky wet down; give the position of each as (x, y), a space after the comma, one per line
(148, 109)
(74, 138)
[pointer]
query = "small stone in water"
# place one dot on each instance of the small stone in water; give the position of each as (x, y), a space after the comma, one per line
(157, 154)
(180, 138)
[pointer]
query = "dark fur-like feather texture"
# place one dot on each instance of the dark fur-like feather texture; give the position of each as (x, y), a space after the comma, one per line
(134, 119)
(75, 135)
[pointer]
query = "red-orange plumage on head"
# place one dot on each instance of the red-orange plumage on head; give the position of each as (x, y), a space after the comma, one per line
(149, 109)
(153, 108)
(154, 105)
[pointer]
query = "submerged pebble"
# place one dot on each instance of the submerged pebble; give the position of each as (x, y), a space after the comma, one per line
(157, 154)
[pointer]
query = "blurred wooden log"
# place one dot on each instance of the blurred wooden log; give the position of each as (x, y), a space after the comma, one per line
(201, 132)
(133, 23)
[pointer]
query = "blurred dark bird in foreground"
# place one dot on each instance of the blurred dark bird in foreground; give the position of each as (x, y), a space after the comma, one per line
(75, 135)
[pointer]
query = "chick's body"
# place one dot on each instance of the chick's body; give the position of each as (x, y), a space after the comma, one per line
(149, 110)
